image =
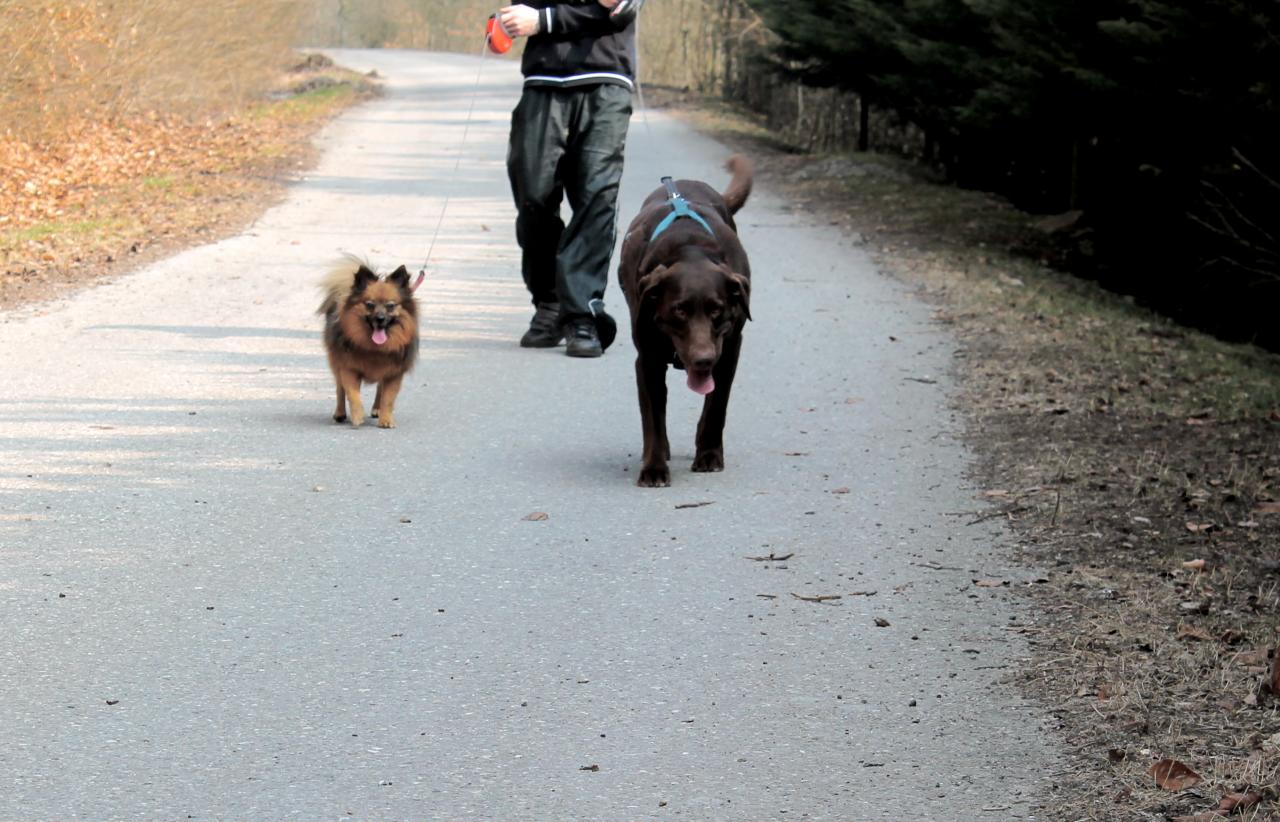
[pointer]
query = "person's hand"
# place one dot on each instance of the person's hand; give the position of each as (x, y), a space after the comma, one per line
(519, 21)
(609, 4)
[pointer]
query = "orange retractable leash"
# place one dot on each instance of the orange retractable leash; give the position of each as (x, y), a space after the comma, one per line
(496, 37)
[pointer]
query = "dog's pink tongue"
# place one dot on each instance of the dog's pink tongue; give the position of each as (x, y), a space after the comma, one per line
(379, 336)
(703, 384)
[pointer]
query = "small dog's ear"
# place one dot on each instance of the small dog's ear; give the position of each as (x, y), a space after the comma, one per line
(650, 285)
(364, 275)
(399, 278)
(739, 291)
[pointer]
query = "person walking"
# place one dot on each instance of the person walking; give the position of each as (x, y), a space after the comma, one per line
(568, 134)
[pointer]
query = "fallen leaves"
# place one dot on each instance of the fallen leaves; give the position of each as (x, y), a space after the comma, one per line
(74, 170)
(1226, 806)
(1256, 656)
(1239, 801)
(101, 190)
(1172, 775)
(1231, 637)
(1192, 632)
(1266, 508)
(536, 516)
(682, 505)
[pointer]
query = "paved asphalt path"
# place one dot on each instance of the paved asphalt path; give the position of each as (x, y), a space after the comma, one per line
(218, 604)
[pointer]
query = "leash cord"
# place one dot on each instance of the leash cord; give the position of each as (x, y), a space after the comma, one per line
(457, 164)
(453, 175)
(644, 112)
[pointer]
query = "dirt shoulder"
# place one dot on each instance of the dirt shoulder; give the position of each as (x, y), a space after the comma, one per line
(107, 197)
(1137, 464)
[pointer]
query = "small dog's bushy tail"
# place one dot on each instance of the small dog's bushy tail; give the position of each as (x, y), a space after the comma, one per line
(735, 196)
(336, 285)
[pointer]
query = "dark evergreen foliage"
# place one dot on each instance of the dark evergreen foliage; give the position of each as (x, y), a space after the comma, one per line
(1161, 120)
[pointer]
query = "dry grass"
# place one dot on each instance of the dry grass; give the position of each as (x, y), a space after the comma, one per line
(92, 61)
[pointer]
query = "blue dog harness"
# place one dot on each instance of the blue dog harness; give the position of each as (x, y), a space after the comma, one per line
(679, 208)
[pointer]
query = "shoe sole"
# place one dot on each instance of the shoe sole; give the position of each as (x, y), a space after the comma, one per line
(541, 343)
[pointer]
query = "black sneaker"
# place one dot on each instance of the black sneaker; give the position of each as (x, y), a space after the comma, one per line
(583, 339)
(544, 329)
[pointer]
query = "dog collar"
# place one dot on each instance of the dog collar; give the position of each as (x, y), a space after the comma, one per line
(679, 208)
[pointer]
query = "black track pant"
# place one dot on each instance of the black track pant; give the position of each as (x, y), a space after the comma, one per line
(567, 142)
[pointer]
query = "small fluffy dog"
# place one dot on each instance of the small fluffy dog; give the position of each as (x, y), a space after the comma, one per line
(688, 284)
(371, 334)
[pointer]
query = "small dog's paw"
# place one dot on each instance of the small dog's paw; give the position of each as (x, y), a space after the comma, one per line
(357, 420)
(374, 414)
(709, 461)
(339, 417)
(654, 477)
(387, 421)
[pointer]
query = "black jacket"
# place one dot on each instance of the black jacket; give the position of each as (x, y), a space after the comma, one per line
(580, 44)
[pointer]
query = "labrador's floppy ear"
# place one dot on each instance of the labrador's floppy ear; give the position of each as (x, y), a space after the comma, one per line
(739, 291)
(650, 285)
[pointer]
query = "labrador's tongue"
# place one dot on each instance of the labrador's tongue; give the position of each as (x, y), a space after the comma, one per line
(379, 336)
(701, 383)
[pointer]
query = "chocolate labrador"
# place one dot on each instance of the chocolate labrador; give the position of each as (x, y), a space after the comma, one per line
(688, 285)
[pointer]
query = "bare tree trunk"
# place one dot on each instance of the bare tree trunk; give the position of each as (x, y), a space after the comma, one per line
(1073, 197)
(726, 16)
(684, 57)
(864, 123)
(800, 107)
